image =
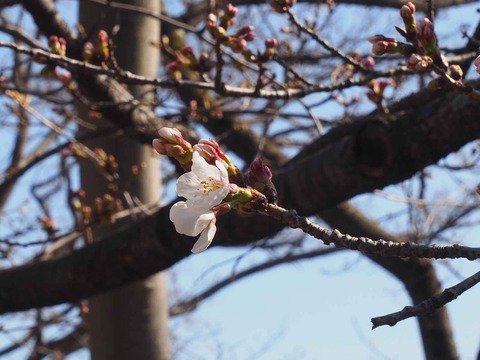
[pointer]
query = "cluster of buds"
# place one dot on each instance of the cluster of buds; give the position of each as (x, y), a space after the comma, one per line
(218, 27)
(185, 60)
(238, 41)
(57, 45)
(423, 53)
(84, 211)
(106, 162)
(99, 54)
(104, 209)
(281, 6)
(417, 62)
(171, 143)
(420, 35)
(212, 186)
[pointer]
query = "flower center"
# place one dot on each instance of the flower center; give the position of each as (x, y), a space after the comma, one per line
(211, 184)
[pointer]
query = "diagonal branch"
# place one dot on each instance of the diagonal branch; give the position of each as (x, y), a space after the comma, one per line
(346, 167)
(430, 305)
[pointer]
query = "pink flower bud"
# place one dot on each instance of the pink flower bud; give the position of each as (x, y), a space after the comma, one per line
(174, 66)
(259, 172)
(271, 43)
(245, 31)
(102, 36)
(382, 45)
(238, 45)
(368, 62)
(211, 151)
(172, 143)
(260, 176)
(426, 33)
(250, 37)
(187, 51)
(53, 41)
(231, 11)
(407, 12)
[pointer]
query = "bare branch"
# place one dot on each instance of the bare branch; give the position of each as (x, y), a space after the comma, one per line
(428, 306)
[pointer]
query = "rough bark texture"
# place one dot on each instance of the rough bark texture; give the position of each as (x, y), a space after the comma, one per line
(442, 126)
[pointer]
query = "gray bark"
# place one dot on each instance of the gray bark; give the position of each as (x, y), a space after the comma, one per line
(130, 322)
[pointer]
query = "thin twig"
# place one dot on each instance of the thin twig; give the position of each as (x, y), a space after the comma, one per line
(428, 306)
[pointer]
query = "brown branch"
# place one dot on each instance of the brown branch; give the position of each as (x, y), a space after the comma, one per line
(368, 246)
(324, 43)
(345, 167)
(417, 276)
(81, 68)
(428, 306)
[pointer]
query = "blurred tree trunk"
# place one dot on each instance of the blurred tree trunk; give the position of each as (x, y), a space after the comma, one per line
(131, 322)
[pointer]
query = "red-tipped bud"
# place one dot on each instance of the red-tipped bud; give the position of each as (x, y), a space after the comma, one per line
(238, 45)
(260, 176)
(368, 62)
(187, 51)
(382, 45)
(211, 152)
(102, 36)
(407, 11)
(231, 11)
(426, 33)
(271, 43)
(259, 172)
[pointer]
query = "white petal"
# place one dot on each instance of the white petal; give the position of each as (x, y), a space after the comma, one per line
(190, 185)
(189, 221)
(206, 238)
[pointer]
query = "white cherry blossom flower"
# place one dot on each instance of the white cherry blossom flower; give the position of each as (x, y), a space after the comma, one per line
(205, 186)
(192, 222)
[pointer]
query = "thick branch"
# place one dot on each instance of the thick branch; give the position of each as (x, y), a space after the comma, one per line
(348, 166)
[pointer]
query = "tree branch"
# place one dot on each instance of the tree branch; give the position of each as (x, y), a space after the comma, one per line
(428, 306)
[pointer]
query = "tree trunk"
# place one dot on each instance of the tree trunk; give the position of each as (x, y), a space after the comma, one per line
(131, 322)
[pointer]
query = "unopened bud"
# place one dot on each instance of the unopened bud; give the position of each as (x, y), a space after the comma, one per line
(456, 72)
(426, 33)
(417, 62)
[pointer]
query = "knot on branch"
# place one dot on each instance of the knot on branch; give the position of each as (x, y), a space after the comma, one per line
(373, 149)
